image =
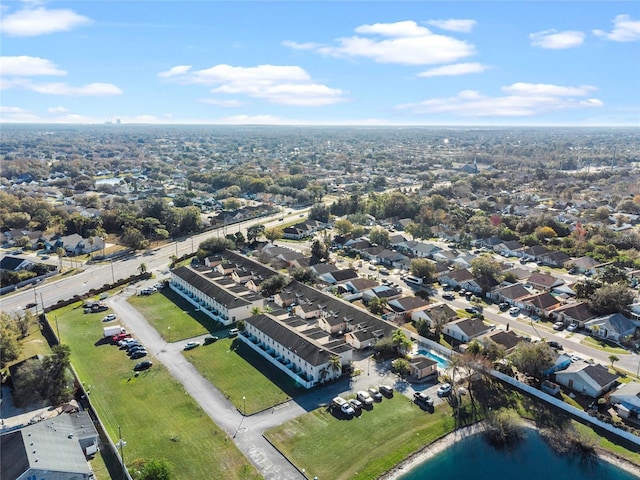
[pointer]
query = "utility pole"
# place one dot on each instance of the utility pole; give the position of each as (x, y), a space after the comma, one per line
(113, 277)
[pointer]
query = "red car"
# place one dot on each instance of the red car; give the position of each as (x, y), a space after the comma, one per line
(120, 336)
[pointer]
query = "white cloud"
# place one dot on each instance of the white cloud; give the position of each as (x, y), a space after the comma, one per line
(454, 25)
(546, 89)
(624, 30)
(222, 103)
(174, 71)
(405, 43)
(285, 85)
(31, 22)
(555, 40)
(57, 110)
(253, 120)
(59, 88)
(24, 66)
(455, 69)
(523, 99)
(17, 115)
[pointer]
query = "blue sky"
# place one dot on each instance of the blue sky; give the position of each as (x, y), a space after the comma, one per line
(321, 63)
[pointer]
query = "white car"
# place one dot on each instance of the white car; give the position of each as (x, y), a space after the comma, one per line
(444, 390)
(572, 328)
(345, 407)
(110, 317)
(514, 311)
(364, 397)
(558, 326)
(191, 345)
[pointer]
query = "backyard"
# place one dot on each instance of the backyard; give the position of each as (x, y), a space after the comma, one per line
(155, 416)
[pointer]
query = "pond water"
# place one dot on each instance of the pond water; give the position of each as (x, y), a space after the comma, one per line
(532, 459)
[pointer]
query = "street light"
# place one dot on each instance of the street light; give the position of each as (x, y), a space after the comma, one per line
(169, 340)
(244, 413)
(113, 277)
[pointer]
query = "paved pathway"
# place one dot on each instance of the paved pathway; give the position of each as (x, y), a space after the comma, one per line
(248, 435)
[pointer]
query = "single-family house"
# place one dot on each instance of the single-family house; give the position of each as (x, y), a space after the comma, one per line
(582, 264)
(614, 327)
(507, 340)
(540, 304)
(509, 294)
(577, 312)
(561, 362)
(589, 380)
(554, 259)
(626, 400)
(456, 278)
(465, 329)
(405, 307)
(439, 313)
(508, 248)
(544, 281)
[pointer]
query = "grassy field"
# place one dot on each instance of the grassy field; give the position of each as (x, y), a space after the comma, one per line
(166, 309)
(604, 346)
(237, 371)
(360, 448)
(157, 418)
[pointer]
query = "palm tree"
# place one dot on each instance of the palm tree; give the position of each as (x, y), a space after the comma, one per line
(142, 268)
(61, 253)
(335, 364)
(323, 374)
(613, 359)
(256, 311)
(401, 342)
(92, 240)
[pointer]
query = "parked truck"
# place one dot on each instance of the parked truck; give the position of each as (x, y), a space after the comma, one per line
(113, 330)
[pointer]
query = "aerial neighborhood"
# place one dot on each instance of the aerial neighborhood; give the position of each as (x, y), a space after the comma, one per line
(341, 276)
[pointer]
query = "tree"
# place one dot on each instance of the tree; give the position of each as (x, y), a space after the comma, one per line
(319, 250)
(379, 236)
(303, 275)
(422, 327)
(613, 359)
(343, 226)
(319, 212)
(335, 365)
(614, 298)
(24, 323)
(10, 347)
(401, 342)
(485, 266)
(60, 252)
(274, 233)
(254, 232)
(142, 268)
(423, 268)
(272, 285)
(401, 366)
(532, 358)
(212, 246)
(377, 305)
(55, 369)
(612, 274)
(153, 470)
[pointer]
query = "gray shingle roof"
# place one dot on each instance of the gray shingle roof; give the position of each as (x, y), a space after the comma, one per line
(221, 295)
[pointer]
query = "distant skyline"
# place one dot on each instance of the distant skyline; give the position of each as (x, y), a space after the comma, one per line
(517, 63)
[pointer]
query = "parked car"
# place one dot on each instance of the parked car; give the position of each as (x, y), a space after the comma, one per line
(109, 318)
(558, 326)
(444, 390)
(504, 306)
(448, 296)
(234, 332)
(421, 397)
(356, 404)
(345, 407)
(375, 393)
(135, 349)
(364, 397)
(210, 339)
(555, 345)
(121, 336)
(572, 328)
(139, 354)
(386, 390)
(514, 311)
(144, 365)
(191, 345)
(45, 257)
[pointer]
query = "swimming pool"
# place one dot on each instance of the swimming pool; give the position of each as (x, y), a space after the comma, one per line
(442, 363)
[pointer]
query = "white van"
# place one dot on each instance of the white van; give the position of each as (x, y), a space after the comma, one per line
(413, 280)
(234, 332)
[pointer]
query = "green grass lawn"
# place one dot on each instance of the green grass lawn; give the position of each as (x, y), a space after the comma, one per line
(237, 371)
(168, 309)
(601, 345)
(360, 448)
(157, 417)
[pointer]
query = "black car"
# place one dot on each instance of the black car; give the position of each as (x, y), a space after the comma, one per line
(555, 345)
(144, 365)
(138, 354)
(210, 339)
